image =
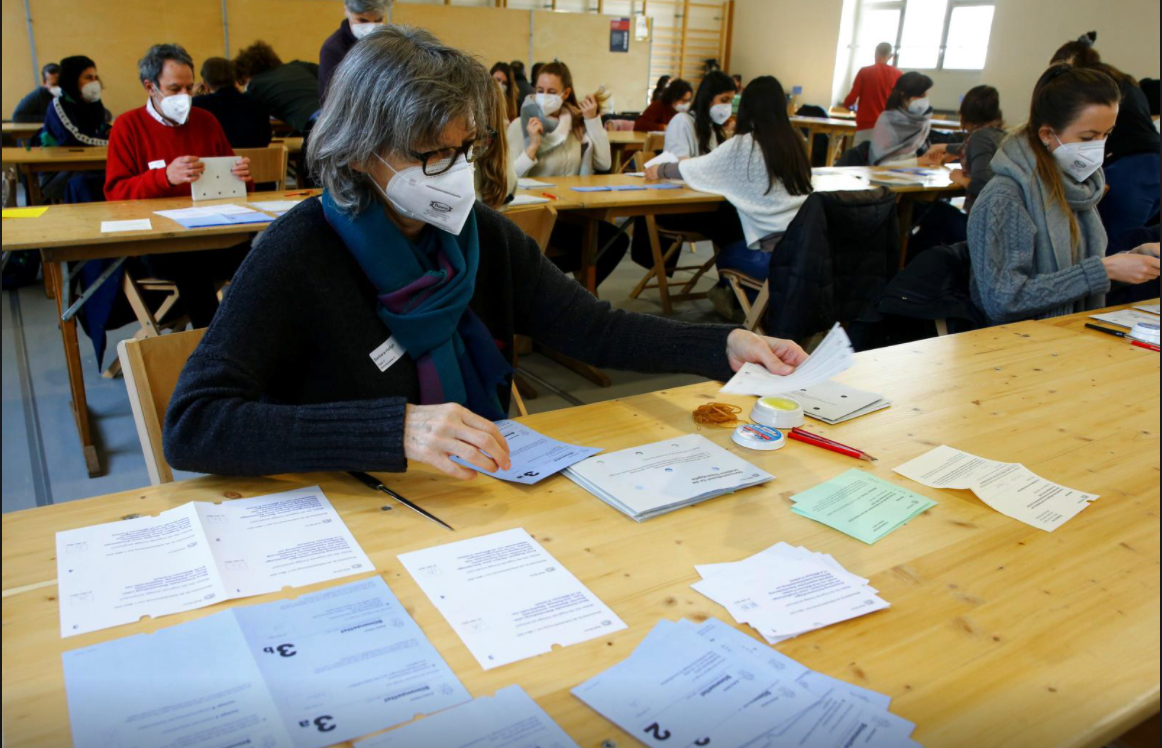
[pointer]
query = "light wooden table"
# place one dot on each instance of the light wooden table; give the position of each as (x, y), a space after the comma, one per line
(21, 130)
(998, 634)
(838, 130)
(32, 161)
(623, 144)
(70, 233)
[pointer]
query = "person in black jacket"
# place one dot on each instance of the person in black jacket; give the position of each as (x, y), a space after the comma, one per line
(374, 325)
(361, 17)
(289, 91)
(243, 118)
(34, 106)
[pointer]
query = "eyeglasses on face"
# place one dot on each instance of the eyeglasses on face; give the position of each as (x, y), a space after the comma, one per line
(439, 161)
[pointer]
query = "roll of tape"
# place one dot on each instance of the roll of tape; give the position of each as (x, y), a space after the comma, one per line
(757, 436)
(778, 412)
(1147, 332)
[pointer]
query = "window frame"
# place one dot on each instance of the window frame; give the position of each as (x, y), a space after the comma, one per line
(902, 6)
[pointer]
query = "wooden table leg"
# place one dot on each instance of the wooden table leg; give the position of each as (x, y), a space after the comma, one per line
(617, 158)
(80, 403)
(906, 207)
(810, 143)
(589, 249)
(659, 265)
(48, 290)
(35, 197)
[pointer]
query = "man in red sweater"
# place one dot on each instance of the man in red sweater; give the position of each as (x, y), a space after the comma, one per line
(872, 86)
(155, 151)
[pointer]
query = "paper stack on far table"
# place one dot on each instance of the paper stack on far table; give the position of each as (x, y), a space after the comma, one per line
(831, 358)
(786, 590)
(710, 684)
(643, 482)
(832, 402)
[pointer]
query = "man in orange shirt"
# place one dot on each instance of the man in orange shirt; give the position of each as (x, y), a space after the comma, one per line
(871, 88)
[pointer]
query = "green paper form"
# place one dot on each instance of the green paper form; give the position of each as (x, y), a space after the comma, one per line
(857, 503)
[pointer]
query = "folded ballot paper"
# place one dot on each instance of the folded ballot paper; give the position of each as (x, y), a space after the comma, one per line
(786, 591)
(709, 684)
(831, 358)
(832, 402)
(643, 482)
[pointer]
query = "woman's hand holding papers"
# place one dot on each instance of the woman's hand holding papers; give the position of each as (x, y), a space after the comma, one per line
(433, 433)
(778, 356)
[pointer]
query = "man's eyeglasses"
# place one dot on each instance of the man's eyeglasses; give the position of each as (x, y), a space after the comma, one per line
(439, 161)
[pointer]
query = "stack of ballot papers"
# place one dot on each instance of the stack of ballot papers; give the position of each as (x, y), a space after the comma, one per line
(214, 215)
(643, 482)
(507, 598)
(1126, 317)
(534, 456)
(857, 503)
(200, 554)
(527, 183)
(277, 207)
(300, 673)
(831, 358)
(1009, 487)
(832, 402)
(692, 684)
(787, 590)
(509, 719)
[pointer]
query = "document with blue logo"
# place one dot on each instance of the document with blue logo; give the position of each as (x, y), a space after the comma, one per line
(507, 598)
(302, 673)
(534, 455)
(509, 719)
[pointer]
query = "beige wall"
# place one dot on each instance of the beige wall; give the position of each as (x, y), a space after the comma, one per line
(797, 41)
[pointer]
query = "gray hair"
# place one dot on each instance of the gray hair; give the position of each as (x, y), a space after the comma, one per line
(366, 6)
(395, 91)
(149, 67)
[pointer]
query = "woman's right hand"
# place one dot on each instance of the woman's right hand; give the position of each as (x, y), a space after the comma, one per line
(433, 433)
(536, 130)
(1129, 267)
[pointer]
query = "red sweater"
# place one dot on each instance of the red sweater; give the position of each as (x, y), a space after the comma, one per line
(140, 148)
(872, 86)
(656, 116)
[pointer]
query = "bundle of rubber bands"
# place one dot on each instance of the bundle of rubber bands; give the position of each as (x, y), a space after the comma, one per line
(719, 415)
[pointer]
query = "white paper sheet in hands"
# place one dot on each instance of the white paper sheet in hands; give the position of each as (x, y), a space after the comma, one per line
(831, 358)
(534, 455)
(665, 157)
(507, 598)
(218, 180)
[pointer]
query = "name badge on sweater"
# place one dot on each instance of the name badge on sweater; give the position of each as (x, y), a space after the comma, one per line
(159, 164)
(387, 354)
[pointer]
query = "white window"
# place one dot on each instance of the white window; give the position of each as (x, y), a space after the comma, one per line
(926, 34)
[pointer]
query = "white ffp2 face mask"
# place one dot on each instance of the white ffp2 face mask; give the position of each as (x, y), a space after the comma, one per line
(919, 106)
(443, 201)
(360, 30)
(54, 90)
(550, 104)
(719, 113)
(91, 92)
(1080, 160)
(682, 107)
(176, 107)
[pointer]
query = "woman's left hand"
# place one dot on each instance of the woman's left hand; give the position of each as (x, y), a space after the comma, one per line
(241, 169)
(589, 107)
(653, 173)
(778, 356)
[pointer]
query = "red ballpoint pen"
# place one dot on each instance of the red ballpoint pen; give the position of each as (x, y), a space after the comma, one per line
(807, 437)
(1147, 346)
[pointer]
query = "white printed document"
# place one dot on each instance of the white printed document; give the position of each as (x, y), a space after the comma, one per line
(1126, 317)
(831, 358)
(643, 482)
(200, 554)
(507, 598)
(509, 719)
(1010, 488)
(534, 456)
(302, 673)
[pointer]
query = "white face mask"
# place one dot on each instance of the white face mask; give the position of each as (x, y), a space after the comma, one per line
(919, 106)
(91, 92)
(719, 113)
(176, 107)
(54, 90)
(361, 30)
(443, 201)
(1080, 160)
(503, 86)
(682, 107)
(550, 104)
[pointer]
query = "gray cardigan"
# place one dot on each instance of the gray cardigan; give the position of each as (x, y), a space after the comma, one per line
(976, 156)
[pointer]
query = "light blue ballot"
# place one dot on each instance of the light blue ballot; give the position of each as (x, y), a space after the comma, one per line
(510, 719)
(534, 455)
(303, 673)
(347, 661)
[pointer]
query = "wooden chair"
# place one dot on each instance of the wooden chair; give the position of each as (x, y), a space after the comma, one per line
(677, 240)
(267, 164)
(655, 144)
(740, 283)
(151, 367)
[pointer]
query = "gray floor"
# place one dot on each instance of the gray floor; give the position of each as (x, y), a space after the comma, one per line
(42, 460)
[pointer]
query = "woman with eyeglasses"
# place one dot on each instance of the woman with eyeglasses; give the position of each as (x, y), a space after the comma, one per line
(372, 327)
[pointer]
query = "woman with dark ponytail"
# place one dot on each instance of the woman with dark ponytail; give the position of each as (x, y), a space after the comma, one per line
(1037, 244)
(1132, 163)
(700, 131)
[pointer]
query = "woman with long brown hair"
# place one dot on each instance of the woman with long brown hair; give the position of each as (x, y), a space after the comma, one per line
(1036, 241)
(502, 73)
(495, 177)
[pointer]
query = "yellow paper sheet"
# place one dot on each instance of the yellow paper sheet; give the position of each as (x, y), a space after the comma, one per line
(25, 212)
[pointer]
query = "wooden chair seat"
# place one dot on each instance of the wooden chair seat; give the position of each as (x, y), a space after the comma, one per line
(740, 283)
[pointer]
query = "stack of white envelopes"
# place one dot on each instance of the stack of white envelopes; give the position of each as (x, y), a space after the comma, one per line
(643, 482)
(692, 684)
(788, 590)
(832, 402)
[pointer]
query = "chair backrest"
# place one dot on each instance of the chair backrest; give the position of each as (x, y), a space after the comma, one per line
(151, 366)
(537, 223)
(655, 141)
(641, 158)
(267, 164)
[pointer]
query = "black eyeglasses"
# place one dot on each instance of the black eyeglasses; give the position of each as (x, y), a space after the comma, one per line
(439, 161)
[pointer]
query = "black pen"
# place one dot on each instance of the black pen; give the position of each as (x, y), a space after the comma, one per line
(377, 485)
(1106, 330)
